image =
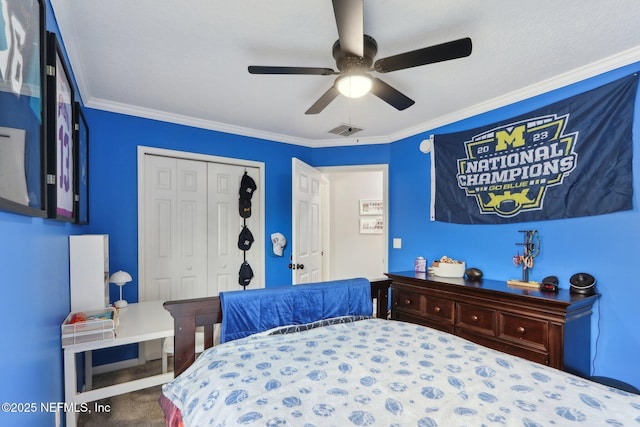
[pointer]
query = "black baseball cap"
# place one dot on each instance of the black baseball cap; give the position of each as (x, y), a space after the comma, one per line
(247, 187)
(245, 274)
(245, 239)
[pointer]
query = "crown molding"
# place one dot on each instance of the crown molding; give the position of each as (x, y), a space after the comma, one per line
(611, 63)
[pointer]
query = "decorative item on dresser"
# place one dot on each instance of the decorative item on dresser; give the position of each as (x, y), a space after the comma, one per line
(549, 328)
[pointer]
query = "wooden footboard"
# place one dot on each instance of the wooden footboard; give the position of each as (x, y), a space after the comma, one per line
(191, 313)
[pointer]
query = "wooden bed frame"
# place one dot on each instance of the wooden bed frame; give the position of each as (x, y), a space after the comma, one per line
(191, 313)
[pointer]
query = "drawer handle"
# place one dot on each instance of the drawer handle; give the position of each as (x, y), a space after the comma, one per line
(474, 318)
(521, 330)
(407, 301)
(437, 309)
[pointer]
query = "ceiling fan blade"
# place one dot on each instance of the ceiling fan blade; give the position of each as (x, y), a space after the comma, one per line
(391, 95)
(256, 69)
(324, 100)
(428, 55)
(350, 21)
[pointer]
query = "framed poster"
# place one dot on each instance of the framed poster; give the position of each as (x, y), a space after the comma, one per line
(371, 207)
(22, 107)
(371, 225)
(61, 159)
(81, 141)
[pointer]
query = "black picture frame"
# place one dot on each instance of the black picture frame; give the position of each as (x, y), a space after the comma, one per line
(81, 138)
(61, 154)
(23, 110)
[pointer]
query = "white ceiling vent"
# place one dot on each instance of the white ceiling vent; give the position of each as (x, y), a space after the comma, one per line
(345, 130)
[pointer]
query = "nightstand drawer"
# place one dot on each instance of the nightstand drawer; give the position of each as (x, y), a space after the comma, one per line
(520, 328)
(409, 302)
(476, 318)
(441, 309)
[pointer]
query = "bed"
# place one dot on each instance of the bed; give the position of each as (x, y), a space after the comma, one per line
(354, 369)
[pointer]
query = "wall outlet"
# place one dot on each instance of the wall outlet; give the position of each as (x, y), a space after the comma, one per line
(397, 243)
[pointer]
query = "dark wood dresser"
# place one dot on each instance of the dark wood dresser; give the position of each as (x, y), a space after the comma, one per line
(553, 329)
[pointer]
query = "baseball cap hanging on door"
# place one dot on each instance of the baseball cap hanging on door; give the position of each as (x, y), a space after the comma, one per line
(244, 207)
(247, 187)
(245, 239)
(245, 274)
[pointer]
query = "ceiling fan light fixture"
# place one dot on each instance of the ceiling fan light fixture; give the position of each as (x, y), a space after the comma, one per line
(354, 85)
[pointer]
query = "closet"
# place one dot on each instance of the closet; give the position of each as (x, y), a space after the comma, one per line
(189, 225)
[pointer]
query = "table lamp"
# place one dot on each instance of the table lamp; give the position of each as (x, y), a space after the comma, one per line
(120, 278)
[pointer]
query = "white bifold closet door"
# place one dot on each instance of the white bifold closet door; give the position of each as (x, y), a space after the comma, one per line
(191, 228)
(175, 229)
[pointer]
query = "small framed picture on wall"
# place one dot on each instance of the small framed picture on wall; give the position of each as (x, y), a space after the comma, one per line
(61, 155)
(371, 207)
(371, 225)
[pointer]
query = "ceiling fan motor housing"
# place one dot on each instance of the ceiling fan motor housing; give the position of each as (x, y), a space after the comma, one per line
(349, 63)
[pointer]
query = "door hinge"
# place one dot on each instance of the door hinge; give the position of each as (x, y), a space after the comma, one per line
(51, 179)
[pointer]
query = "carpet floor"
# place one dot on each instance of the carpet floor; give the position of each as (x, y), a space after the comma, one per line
(138, 408)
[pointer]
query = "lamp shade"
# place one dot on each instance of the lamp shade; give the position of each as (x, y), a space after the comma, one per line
(120, 278)
(354, 85)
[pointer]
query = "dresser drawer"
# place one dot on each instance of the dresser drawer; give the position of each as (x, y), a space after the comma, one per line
(440, 309)
(476, 318)
(409, 302)
(524, 329)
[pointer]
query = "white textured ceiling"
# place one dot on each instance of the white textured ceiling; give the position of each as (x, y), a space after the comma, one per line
(186, 61)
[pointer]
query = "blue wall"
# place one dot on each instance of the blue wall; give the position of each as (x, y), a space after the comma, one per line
(113, 182)
(113, 186)
(34, 263)
(34, 254)
(605, 246)
(35, 284)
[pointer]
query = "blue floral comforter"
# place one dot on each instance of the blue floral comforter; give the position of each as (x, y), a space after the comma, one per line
(385, 373)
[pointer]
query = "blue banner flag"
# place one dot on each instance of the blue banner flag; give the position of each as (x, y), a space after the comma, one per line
(569, 159)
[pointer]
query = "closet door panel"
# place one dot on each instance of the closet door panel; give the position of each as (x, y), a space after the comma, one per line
(192, 233)
(225, 224)
(175, 229)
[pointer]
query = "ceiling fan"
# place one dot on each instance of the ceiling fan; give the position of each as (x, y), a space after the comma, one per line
(354, 52)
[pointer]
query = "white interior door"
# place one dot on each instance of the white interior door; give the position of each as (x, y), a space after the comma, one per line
(307, 209)
(175, 229)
